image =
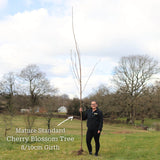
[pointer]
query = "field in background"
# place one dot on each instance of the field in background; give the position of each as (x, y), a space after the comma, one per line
(147, 122)
(118, 142)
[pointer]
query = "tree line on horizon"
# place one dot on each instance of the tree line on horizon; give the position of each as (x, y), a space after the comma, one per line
(136, 94)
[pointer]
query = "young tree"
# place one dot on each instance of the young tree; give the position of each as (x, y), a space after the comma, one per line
(8, 90)
(77, 72)
(50, 105)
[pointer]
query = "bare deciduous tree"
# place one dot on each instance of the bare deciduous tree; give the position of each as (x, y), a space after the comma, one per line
(8, 91)
(131, 76)
(36, 85)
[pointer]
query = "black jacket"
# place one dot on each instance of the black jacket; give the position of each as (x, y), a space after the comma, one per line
(94, 119)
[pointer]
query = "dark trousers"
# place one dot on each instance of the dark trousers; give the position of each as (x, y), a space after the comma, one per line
(89, 136)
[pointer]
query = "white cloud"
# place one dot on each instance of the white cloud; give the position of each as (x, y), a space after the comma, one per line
(104, 29)
(32, 37)
(68, 85)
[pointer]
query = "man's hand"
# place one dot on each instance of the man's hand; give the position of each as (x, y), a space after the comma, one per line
(80, 109)
(98, 131)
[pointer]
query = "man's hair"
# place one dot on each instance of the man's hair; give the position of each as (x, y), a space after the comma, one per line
(93, 101)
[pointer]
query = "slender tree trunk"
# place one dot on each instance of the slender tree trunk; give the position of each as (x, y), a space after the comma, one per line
(49, 124)
(79, 76)
(77, 71)
(132, 114)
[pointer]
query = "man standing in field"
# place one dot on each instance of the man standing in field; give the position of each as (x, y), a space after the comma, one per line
(94, 118)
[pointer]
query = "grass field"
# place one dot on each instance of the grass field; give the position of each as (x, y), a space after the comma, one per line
(118, 142)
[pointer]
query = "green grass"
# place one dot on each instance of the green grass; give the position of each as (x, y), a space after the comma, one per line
(118, 142)
(59, 113)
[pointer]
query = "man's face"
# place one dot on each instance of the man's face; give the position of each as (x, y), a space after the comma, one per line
(93, 105)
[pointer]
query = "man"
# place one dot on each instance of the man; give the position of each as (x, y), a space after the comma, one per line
(94, 118)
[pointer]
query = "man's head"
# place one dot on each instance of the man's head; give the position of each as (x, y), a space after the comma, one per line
(93, 104)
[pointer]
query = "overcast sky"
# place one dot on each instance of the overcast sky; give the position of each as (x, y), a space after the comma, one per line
(39, 32)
